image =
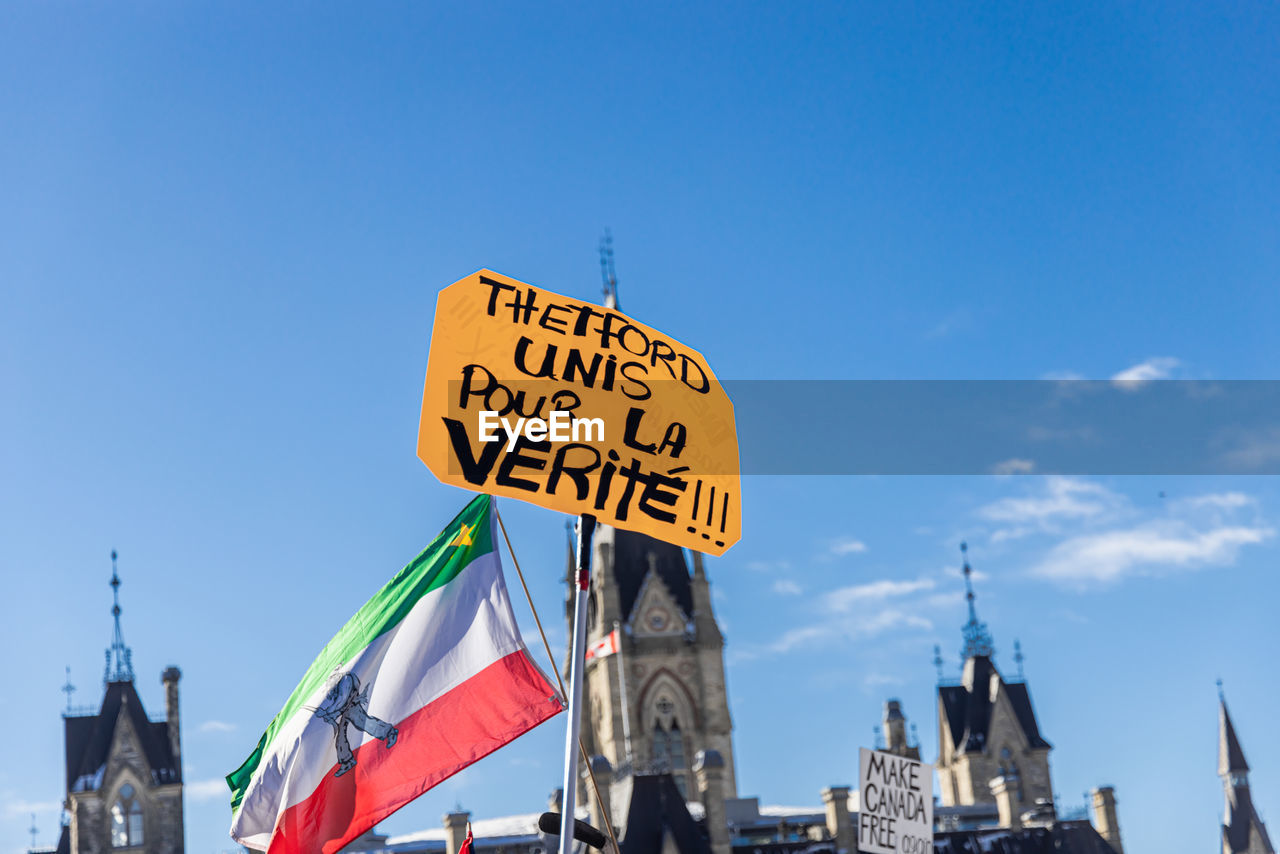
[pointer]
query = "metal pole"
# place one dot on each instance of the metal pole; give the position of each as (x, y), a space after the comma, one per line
(586, 527)
(622, 686)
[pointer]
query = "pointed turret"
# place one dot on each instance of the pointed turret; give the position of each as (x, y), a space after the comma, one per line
(1230, 755)
(1242, 830)
(704, 618)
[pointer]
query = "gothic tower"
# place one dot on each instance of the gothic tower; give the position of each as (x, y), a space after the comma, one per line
(124, 771)
(990, 745)
(661, 699)
(1242, 830)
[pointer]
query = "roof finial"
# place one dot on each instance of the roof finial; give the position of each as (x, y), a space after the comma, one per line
(1017, 656)
(607, 273)
(937, 660)
(68, 689)
(977, 640)
(119, 657)
(1222, 698)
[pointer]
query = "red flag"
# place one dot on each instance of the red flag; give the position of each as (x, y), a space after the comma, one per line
(607, 645)
(466, 843)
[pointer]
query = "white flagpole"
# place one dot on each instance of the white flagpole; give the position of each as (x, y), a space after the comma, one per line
(622, 685)
(586, 527)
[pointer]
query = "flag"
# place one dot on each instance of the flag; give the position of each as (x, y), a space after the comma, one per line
(607, 645)
(428, 677)
(466, 843)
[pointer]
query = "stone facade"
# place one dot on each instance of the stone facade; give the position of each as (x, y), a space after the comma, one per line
(126, 794)
(671, 657)
(964, 777)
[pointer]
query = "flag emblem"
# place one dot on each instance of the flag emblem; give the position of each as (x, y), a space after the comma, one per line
(429, 676)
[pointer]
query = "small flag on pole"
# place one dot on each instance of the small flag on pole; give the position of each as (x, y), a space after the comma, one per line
(466, 843)
(606, 646)
(428, 677)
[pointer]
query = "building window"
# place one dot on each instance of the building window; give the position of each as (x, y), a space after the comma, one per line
(126, 819)
(668, 753)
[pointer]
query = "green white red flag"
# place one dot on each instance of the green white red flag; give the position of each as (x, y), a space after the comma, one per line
(428, 677)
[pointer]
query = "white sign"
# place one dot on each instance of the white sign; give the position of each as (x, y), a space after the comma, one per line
(895, 813)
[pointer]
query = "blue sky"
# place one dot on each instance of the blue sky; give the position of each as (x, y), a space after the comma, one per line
(223, 228)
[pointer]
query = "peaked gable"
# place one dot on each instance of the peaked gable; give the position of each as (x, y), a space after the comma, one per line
(89, 740)
(656, 611)
(656, 815)
(968, 710)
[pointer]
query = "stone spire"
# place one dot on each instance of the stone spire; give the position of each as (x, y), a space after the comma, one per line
(977, 640)
(1242, 830)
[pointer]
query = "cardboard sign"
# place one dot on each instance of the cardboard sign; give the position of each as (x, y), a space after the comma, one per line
(578, 408)
(895, 812)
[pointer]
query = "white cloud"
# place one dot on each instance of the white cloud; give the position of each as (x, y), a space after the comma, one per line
(217, 726)
(1061, 498)
(1253, 450)
(207, 790)
(786, 587)
(1014, 465)
(848, 546)
(1218, 501)
(843, 599)
(1155, 548)
(1135, 376)
(863, 627)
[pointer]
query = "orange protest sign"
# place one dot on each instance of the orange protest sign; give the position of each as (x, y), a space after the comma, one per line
(579, 408)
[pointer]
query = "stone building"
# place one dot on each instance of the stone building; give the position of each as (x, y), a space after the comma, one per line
(669, 667)
(1242, 829)
(124, 770)
(657, 728)
(990, 747)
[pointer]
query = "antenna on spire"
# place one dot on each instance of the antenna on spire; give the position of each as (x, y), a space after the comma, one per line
(68, 689)
(1222, 698)
(1017, 656)
(608, 275)
(119, 657)
(977, 640)
(937, 660)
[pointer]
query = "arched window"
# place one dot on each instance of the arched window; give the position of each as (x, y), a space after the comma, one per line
(126, 819)
(668, 745)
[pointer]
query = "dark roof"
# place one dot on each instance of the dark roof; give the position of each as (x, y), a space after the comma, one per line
(657, 809)
(1062, 837)
(64, 841)
(1241, 817)
(968, 714)
(89, 738)
(631, 553)
(1230, 756)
